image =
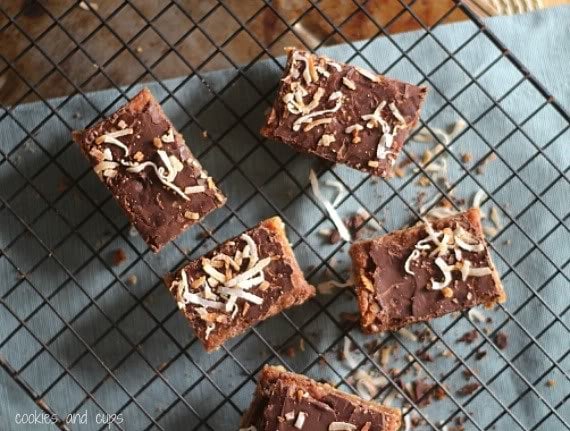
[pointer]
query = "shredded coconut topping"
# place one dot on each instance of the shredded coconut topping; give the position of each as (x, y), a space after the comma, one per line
(333, 214)
(439, 244)
(350, 84)
(221, 290)
(367, 74)
(301, 417)
(341, 426)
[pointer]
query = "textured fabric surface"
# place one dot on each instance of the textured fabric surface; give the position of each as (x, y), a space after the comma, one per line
(83, 227)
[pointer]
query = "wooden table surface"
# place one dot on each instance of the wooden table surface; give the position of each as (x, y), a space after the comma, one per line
(101, 48)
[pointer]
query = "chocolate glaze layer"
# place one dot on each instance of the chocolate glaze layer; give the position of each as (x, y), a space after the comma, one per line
(156, 212)
(363, 100)
(287, 286)
(282, 396)
(399, 298)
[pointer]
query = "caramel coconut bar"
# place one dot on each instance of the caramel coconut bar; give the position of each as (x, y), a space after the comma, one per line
(423, 272)
(343, 113)
(150, 171)
(242, 282)
(286, 401)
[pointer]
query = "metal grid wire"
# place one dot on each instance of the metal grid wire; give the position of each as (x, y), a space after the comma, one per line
(171, 347)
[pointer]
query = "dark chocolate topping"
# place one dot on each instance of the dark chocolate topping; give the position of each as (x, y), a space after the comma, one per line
(363, 100)
(319, 414)
(401, 298)
(157, 212)
(283, 285)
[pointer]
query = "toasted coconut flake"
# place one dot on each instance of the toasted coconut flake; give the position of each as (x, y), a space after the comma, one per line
(212, 272)
(111, 139)
(333, 214)
(495, 218)
(367, 385)
(327, 287)
(104, 165)
(259, 266)
(240, 293)
(121, 124)
(289, 416)
(300, 422)
(191, 215)
(163, 178)
(475, 315)
(316, 123)
(209, 328)
(480, 272)
(194, 189)
(341, 191)
(446, 270)
(354, 127)
(350, 84)
(334, 64)
(478, 199)
(307, 118)
(367, 74)
(407, 422)
(253, 255)
(323, 71)
(468, 247)
(396, 113)
(168, 137)
(341, 426)
(375, 119)
(306, 72)
(441, 212)
(406, 333)
(195, 299)
(326, 140)
(347, 354)
(413, 256)
(373, 163)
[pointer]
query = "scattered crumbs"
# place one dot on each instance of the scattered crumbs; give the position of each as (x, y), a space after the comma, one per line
(347, 320)
(467, 374)
(63, 184)
(422, 392)
(334, 236)
(132, 280)
(424, 356)
(468, 389)
(551, 383)
(466, 157)
(118, 257)
(205, 134)
(468, 337)
(481, 168)
(501, 340)
(439, 393)
(423, 181)
(446, 353)
(140, 49)
(480, 354)
(290, 352)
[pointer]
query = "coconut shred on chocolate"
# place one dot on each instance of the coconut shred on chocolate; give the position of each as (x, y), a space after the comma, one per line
(245, 280)
(423, 272)
(150, 171)
(286, 401)
(343, 113)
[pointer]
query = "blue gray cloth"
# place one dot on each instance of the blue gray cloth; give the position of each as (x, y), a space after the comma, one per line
(528, 181)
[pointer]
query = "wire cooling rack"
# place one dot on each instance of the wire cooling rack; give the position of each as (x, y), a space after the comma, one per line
(118, 346)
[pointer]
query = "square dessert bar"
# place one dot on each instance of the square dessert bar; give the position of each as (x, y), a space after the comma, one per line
(243, 281)
(343, 113)
(150, 171)
(423, 272)
(291, 402)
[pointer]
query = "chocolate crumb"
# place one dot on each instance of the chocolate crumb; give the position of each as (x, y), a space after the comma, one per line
(439, 393)
(424, 356)
(118, 257)
(334, 237)
(467, 374)
(501, 340)
(480, 355)
(132, 280)
(468, 389)
(469, 337)
(422, 392)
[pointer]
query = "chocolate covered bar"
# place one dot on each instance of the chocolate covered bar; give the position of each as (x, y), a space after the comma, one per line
(343, 113)
(423, 272)
(286, 401)
(240, 283)
(150, 171)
